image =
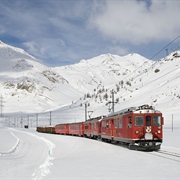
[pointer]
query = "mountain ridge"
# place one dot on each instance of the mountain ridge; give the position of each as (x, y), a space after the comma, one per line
(135, 80)
(23, 78)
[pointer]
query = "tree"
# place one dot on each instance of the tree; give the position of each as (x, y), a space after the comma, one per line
(117, 100)
(117, 87)
(156, 70)
(121, 83)
(88, 95)
(128, 83)
(105, 96)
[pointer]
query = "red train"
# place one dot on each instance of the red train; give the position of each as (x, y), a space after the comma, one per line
(139, 127)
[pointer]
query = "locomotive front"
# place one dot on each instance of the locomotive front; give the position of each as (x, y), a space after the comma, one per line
(147, 128)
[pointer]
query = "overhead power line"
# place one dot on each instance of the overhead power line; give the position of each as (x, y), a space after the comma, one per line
(165, 47)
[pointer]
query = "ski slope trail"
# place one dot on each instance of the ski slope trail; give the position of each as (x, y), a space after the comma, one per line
(29, 157)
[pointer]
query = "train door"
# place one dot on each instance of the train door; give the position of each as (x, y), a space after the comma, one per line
(148, 124)
(108, 128)
(112, 127)
(148, 134)
(116, 127)
(157, 122)
(90, 129)
(129, 126)
(99, 128)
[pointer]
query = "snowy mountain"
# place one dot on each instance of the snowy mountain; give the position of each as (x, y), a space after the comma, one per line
(158, 86)
(34, 87)
(133, 79)
(26, 85)
(102, 71)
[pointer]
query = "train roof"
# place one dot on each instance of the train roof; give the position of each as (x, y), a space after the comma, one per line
(143, 108)
(96, 118)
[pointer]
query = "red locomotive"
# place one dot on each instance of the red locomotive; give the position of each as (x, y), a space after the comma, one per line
(139, 127)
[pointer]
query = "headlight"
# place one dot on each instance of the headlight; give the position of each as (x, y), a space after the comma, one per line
(150, 143)
(137, 131)
(159, 131)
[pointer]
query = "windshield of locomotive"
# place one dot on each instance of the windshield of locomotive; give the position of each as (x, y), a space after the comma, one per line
(138, 120)
(157, 120)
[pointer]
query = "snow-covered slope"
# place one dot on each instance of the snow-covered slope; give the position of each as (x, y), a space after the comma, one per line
(134, 81)
(102, 71)
(28, 85)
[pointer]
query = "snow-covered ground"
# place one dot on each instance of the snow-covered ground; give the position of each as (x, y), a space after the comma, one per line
(27, 154)
(59, 95)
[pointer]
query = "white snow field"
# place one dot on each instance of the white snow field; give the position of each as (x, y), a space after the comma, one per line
(27, 154)
(28, 87)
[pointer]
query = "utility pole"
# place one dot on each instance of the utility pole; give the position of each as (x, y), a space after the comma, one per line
(1, 105)
(28, 121)
(172, 123)
(36, 120)
(86, 111)
(112, 102)
(21, 121)
(50, 118)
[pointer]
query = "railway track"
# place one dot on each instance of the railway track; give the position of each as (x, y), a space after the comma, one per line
(167, 155)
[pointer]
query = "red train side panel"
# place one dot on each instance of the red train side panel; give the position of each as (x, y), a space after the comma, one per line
(62, 129)
(76, 129)
(107, 126)
(92, 127)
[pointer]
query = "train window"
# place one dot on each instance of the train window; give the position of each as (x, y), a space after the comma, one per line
(104, 124)
(116, 123)
(94, 125)
(157, 120)
(138, 120)
(107, 125)
(120, 123)
(129, 122)
(148, 120)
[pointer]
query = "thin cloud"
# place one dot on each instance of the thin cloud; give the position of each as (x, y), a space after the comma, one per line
(136, 22)
(64, 32)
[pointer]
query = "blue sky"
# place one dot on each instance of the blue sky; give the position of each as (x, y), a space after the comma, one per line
(62, 32)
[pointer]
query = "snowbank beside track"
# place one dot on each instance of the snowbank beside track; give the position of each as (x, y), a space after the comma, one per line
(13, 141)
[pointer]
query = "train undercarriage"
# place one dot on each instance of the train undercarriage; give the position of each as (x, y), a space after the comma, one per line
(145, 145)
(140, 144)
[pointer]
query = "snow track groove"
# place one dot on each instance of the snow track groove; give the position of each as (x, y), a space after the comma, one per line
(30, 158)
(173, 156)
(13, 148)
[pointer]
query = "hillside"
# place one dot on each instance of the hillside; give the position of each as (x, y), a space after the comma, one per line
(27, 85)
(155, 83)
(103, 71)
